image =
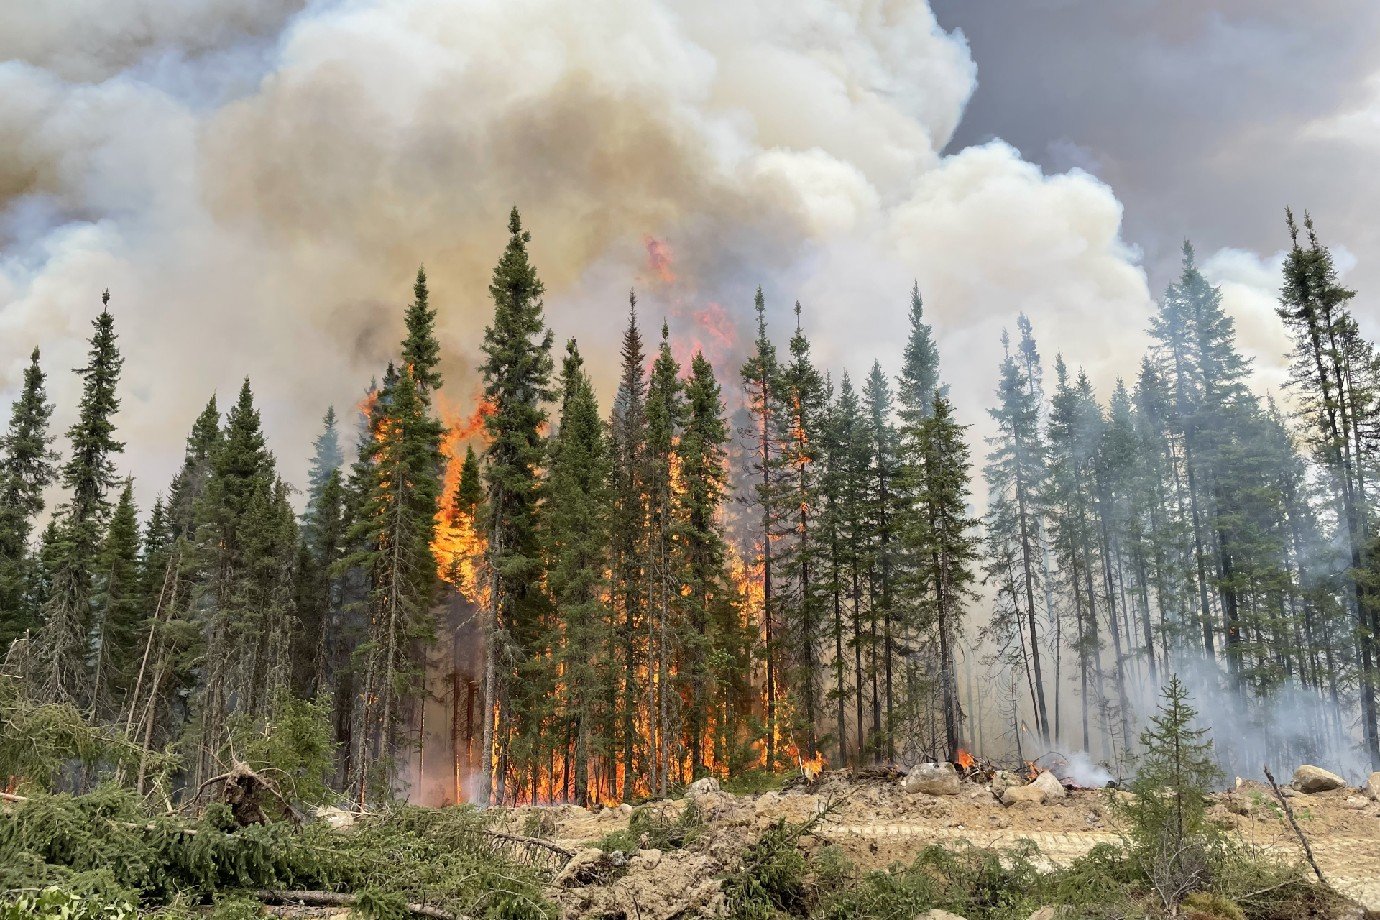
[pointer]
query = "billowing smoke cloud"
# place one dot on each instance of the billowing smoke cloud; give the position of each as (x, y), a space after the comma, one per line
(256, 182)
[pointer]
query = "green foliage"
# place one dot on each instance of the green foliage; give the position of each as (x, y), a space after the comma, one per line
(61, 904)
(39, 740)
(1171, 837)
(651, 828)
(106, 845)
(295, 749)
(771, 882)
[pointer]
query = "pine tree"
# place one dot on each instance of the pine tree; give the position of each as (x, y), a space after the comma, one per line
(26, 469)
(576, 539)
(517, 378)
(59, 668)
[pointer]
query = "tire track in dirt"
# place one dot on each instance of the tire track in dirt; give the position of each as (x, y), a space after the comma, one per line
(1350, 864)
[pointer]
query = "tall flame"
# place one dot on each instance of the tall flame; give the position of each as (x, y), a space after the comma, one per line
(458, 544)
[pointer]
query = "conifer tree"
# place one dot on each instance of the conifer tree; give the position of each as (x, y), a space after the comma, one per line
(882, 503)
(576, 538)
(59, 667)
(939, 535)
(469, 491)
(327, 458)
(394, 529)
(628, 535)
(665, 416)
(1336, 374)
(760, 373)
(26, 469)
(420, 350)
(714, 664)
(1016, 474)
(1171, 831)
(800, 419)
(517, 379)
(118, 604)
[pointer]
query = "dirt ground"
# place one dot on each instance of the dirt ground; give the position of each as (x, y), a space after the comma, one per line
(877, 824)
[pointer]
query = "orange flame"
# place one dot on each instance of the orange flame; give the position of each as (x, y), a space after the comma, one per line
(458, 544)
(964, 760)
(659, 260)
(810, 769)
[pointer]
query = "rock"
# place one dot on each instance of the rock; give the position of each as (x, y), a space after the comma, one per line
(588, 866)
(644, 861)
(702, 786)
(1357, 802)
(1373, 786)
(1240, 805)
(932, 779)
(625, 809)
(1045, 913)
(935, 913)
(1024, 795)
(1051, 785)
(1003, 780)
(1311, 779)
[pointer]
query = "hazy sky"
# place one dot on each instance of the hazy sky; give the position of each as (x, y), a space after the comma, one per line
(256, 181)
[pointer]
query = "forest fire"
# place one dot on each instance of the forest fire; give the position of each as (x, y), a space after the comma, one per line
(812, 768)
(458, 544)
(963, 760)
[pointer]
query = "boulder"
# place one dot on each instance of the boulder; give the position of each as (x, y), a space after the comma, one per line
(702, 786)
(1311, 779)
(1373, 786)
(1051, 785)
(1003, 780)
(1024, 795)
(932, 779)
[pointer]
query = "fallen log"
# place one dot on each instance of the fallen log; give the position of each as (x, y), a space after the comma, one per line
(344, 899)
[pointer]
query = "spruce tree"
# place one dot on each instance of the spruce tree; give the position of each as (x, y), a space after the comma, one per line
(420, 350)
(576, 545)
(60, 666)
(800, 420)
(883, 499)
(393, 531)
(940, 537)
(665, 416)
(1016, 474)
(760, 374)
(119, 605)
(517, 382)
(26, 469)
(715, 654)
(628, 537)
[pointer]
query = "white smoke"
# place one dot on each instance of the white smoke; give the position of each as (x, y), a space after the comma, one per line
(257, 181)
